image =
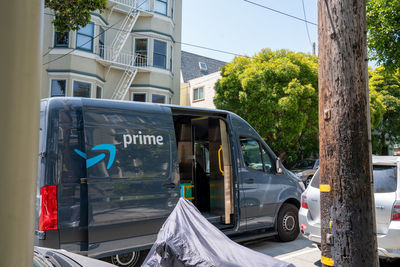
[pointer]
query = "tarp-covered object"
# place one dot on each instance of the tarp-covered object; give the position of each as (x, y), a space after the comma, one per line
(188, 239)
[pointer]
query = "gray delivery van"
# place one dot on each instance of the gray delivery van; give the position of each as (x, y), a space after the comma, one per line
(110, 173)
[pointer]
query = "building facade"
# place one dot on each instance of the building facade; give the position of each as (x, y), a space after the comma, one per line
(131, 51)
(198, 77)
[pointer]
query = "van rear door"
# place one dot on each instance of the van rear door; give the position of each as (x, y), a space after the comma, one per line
(132, 174)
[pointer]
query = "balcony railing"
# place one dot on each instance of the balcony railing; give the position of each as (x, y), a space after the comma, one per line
(124, 59)
(139, 4)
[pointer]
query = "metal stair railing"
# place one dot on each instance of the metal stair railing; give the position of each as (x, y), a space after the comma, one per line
(125, 81)
(124, 32)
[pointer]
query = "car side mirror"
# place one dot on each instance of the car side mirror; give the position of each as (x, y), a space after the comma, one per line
(279, 169)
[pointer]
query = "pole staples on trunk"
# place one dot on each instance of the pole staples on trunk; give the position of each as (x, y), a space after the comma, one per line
(324, 188)
(327, 261)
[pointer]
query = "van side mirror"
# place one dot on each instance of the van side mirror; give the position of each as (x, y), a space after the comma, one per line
(279, 169)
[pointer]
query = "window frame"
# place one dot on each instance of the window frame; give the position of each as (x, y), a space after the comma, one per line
(198, 89)
(162, 2)
(165, 98)
(170, 58)
(140, 6)
(90, 36)
(102, 40)
(55, 40)
(156, 53)
(79, 81)
(260, 147)
(141, 51)
(51, 87)
(101, 92)
(139, 93)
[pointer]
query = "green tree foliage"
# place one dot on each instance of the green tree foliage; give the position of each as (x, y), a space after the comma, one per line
(386, 85)
(73, 14)
(383, 22)
(276, 92)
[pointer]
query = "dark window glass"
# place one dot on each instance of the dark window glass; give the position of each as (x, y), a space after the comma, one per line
(99, 92)
(139, 97)
(268, 162)
(304, 164)
(315, 180)
(84, 38)
(160, 6)
(82, 89)
(141, 52)
(58, 87)
(160, 54)
(61, 39)
(158, 99)
(385, 179)
(251, 154)
(170, 59)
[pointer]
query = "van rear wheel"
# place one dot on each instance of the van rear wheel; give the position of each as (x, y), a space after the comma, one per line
(130, 259)
(288, 223)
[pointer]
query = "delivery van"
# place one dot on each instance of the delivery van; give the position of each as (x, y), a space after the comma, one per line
(110, 173)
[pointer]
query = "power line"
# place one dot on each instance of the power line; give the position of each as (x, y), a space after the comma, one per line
(305, 18)
(280, 12)
(136, 33)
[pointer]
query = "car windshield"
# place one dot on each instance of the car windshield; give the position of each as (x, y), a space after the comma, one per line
(304, 164)
(385, 179)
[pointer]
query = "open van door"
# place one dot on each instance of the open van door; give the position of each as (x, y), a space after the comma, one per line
(132, 174)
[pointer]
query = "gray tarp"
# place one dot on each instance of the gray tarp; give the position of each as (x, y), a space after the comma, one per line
(188, 239)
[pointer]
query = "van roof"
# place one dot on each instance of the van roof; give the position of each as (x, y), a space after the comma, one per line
(124, 104)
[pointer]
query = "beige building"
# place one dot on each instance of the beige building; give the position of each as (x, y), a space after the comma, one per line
(198, 77)
(131, 51)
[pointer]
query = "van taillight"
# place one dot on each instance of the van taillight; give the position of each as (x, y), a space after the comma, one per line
(304, 202)
(396, 213)
(48, 213)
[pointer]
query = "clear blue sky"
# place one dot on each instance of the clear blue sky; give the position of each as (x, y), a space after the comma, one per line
(243, 28)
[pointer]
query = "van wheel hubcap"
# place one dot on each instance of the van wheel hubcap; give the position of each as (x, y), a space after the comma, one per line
(125, 259)
(289, 223)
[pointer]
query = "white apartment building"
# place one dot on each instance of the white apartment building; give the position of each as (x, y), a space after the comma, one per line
(131, 51)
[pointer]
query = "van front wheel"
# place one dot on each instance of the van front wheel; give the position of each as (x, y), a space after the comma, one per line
(130, 259)
(288, 223)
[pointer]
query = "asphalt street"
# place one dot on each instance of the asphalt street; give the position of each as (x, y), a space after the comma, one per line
(301, 252)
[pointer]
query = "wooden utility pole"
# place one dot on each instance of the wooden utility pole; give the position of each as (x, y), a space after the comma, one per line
(347, 202)
(20, 74)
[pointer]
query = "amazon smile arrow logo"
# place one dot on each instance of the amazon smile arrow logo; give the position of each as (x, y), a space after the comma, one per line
(96, 159)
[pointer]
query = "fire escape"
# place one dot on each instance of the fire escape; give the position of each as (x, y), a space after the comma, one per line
(113, 56)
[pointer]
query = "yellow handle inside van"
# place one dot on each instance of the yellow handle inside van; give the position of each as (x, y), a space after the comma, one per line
(219, 160)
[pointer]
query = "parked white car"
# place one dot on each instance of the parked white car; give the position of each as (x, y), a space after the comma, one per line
(386, 173)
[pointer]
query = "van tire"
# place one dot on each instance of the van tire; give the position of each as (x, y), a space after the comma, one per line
(130, 259)
(288, 223)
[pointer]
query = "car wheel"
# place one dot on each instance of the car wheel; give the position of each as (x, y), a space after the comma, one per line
(130, 259)
(288, 223)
